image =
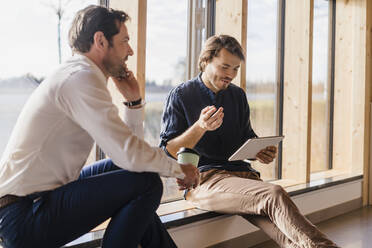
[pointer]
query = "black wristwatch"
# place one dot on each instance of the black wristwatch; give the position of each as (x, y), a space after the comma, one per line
(133, 103)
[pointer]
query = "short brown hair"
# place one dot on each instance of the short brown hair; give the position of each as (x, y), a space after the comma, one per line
(213, 46)
(90, 20)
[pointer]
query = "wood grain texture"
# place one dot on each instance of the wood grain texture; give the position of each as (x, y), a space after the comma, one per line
(231, 19)
(297, 90)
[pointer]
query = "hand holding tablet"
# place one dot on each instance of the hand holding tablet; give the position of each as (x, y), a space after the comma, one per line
(253, 146)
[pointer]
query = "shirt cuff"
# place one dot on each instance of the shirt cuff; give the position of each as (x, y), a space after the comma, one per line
(133, 116)
(175, 169)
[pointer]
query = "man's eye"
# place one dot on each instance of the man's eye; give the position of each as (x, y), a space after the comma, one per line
(224, 67)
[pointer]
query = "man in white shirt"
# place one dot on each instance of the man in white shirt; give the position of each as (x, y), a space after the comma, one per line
(47, 199)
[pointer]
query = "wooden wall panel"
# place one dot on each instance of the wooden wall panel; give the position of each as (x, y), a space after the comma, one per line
(351, 94)
(353, 88)
(367, 183)
(360, 99)
(231, 19)
(297, 90)
(342, 140)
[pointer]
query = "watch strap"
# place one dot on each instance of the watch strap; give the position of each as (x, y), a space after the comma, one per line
(133, 103)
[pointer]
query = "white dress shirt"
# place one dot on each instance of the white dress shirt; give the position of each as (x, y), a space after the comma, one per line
(59, 124)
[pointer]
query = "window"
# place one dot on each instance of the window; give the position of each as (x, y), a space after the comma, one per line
(166, 49)
(32, 49)
(166, 52)
(173, 45)
(321, 87)
(261, 73)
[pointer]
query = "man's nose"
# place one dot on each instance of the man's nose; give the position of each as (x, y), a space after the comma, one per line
(230, 74)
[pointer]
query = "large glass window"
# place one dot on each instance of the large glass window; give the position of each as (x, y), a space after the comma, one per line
(166, 52)
(261, 72)
(34, 41)
(321, 88)
(166, 49)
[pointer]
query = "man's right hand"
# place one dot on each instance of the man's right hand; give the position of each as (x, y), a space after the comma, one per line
(210, 119)
(128, 86)
(191, 179)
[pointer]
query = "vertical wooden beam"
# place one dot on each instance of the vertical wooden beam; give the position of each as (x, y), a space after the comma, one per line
(351, 94)
(367, 171)
(342, 144)
(137, 10)
(360, 92)
(367, 183)
(297, 90)
(231, 19)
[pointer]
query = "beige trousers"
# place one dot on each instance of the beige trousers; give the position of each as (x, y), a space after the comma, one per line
(265, 205)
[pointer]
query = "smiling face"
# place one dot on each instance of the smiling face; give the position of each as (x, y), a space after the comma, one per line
(117, 53)
(221, 70)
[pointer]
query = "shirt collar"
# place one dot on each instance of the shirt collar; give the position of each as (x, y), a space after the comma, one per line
(204, 88)
(208, 91)
(95, 68)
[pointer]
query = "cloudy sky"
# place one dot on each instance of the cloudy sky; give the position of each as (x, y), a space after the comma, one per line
(29, 37)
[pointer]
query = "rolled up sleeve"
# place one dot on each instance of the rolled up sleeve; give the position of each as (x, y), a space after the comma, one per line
(173, 120)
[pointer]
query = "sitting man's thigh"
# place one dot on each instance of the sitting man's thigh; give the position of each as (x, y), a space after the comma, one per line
(59, 216)
(232, 194)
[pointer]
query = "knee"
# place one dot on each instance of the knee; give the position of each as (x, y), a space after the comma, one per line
(276, 191)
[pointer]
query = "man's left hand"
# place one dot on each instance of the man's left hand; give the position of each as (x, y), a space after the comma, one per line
(128, 86)
(267, 155)
(191, 179)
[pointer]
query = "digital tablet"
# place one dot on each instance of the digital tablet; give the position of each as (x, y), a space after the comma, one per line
(253, 146)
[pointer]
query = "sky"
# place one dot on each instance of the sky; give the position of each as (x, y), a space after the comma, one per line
(29, 37)
(320, 41)
(166, 42)
(262, 38)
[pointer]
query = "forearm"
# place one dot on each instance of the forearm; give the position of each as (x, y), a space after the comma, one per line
(188, 139)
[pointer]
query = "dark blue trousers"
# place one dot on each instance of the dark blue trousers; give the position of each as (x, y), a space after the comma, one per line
(53, 218)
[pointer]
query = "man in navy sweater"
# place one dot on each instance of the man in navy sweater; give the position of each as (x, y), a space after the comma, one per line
(211, 115)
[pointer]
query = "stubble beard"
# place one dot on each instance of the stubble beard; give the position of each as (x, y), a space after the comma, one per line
(114, 69)
(222, 86)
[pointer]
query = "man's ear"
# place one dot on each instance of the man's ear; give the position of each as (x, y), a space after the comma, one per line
(99, 41)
